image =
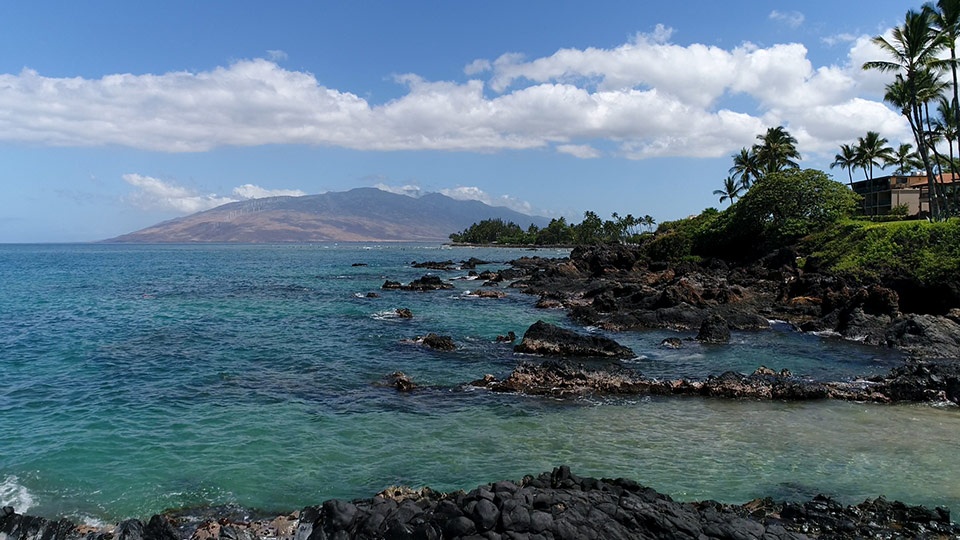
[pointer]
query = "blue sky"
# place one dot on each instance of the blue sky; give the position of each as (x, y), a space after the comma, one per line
(117, 115)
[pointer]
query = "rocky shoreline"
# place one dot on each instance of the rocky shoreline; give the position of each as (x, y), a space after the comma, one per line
(553, 505)
(917, 382)
(615, 288)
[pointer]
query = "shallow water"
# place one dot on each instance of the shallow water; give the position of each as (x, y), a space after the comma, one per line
(139, 378)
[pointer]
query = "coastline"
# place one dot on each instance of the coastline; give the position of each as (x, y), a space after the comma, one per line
(428, 396)
(557, 505)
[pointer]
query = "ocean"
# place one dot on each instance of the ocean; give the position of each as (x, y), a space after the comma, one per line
(139, 378)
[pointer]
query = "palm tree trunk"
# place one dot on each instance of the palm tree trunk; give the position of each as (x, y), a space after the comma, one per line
(956, 116)
(942, 206)
(932, 196)
(916, 124)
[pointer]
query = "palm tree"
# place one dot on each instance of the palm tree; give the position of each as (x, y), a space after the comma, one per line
(905, 159)
(913, 54)
(731, 190)
(846, 159)
(872, 150)
(776, 150)
(648, 221)
(945, 19)
(947, 126)
(746, 167)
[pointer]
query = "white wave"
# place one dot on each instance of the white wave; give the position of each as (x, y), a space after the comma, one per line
(388, 315)
(15, 495)
(91, 521)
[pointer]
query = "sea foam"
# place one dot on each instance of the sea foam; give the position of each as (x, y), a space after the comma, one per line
(15, 495)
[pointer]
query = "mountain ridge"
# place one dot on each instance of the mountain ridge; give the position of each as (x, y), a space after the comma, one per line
(357, 215)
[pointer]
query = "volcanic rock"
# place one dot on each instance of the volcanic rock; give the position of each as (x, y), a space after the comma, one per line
(557, 504)
(546, 339)
(433, 265)
(714, 329)
(438, 342)
(399, 380)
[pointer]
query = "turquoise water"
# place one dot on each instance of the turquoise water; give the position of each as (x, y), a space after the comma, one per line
(139, 378)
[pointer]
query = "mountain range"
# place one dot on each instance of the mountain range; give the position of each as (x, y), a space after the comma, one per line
(358, 215)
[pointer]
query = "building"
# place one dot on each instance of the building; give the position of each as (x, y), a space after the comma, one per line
(882, 194)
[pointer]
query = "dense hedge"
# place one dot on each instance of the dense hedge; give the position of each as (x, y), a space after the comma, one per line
(929, 252)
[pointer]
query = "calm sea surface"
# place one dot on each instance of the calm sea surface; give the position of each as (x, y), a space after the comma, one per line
(139, 378)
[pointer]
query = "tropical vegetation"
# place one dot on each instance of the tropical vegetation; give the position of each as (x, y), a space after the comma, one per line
(592, 230)
(776, 211)
(914, 56)
(929, 252)
(776, 151)
(773, 203)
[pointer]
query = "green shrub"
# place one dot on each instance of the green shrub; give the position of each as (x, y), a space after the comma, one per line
(927, 252)
(788, 205)
(681, 239)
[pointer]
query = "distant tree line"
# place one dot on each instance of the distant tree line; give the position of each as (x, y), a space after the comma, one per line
(592, 230)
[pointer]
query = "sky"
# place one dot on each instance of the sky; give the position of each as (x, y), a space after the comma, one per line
(116, 115)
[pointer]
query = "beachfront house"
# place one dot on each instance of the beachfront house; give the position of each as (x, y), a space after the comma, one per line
(884, 193)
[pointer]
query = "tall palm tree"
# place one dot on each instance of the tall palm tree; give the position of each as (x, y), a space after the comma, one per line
(872, 150)
(648, 221)
(946, 126)
(906, 159)
(846, 159)
(746, 167)
(913, 50)
(731, 190)
(776, 150)
(944, 17)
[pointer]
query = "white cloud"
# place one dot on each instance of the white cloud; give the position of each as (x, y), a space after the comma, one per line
(582, 151)
(155, 194)
(793, 19)
(409, 190)
(276, 55)
(470, 193)
(252, 191)
(838, 39)
(647, 97)
(461, 193)
(477, 66)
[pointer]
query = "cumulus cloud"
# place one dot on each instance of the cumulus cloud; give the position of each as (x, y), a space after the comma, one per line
(408, 189)
(477, 66)
(582, 151)
(461, 193)
(252, 191)
(793, 19)
(471, 193)
(164, 195)
(838, 39)
(647, 97)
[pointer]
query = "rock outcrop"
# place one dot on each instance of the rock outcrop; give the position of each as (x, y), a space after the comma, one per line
(550, 340)
(714, 330)
(553, 505)
(425, 283)
(916, 382)
(615, 288)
